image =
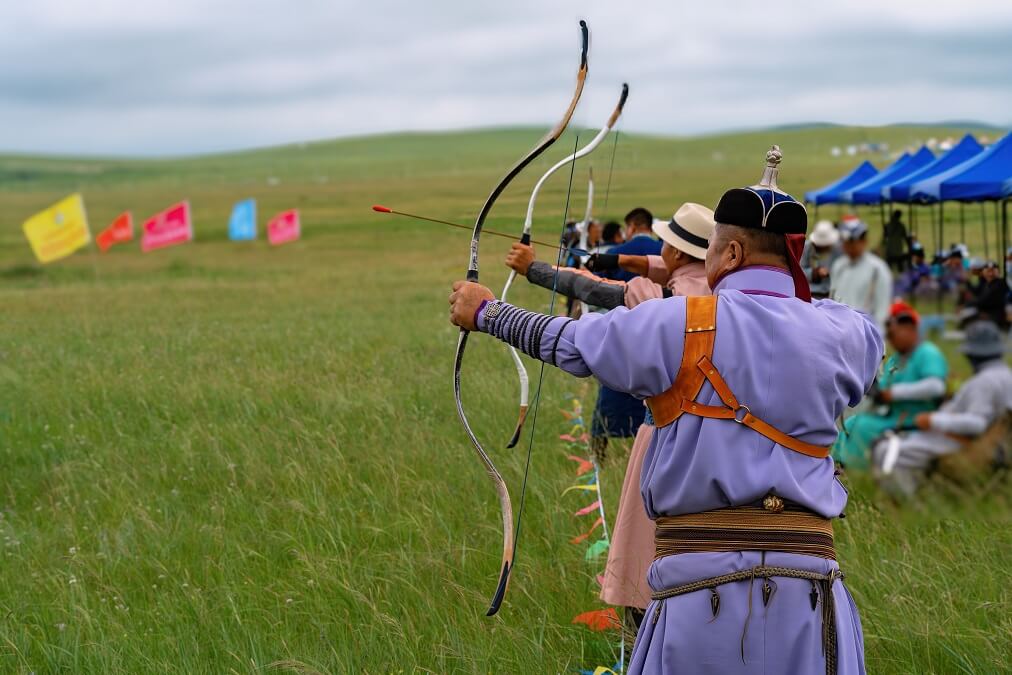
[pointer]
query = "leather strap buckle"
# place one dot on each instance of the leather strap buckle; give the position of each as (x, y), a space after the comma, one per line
(740, 419)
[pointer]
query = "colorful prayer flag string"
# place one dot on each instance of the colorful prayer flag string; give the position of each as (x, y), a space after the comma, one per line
(589, 480)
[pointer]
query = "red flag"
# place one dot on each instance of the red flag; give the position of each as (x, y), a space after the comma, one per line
(583, 465)
(119, 231)
(581, 537)
(599, 619)
(168, 228)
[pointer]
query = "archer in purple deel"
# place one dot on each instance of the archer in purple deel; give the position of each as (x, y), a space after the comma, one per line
(745, 387)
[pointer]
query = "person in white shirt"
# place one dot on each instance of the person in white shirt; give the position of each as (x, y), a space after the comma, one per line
(860, 279)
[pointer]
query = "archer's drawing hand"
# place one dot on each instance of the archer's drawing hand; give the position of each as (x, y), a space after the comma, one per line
(520, 258)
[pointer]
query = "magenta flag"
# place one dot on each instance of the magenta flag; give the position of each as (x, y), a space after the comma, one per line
(168, 228)
(284, 227)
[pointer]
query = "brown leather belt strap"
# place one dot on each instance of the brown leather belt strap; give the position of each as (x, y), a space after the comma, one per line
(742, 415)
(745, 528)
(700, 331)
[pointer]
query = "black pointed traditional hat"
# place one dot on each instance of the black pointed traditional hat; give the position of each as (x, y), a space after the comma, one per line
(764, 205)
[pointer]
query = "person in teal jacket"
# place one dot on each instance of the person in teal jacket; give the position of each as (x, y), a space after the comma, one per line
(912, 381)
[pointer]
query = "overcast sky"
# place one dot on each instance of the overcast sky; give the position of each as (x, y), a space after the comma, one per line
(158, 77)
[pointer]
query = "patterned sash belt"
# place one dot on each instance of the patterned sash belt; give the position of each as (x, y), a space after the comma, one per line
(745, 528)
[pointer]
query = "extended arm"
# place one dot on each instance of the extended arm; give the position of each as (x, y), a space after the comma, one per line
(635, 264)
(583, 287)
(961, 424)
(636, 351)
(921, 390)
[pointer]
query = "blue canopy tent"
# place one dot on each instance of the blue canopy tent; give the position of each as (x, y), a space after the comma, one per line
(847, 196)
(871, 192)
(964, 150)
(984, 177)
(985, 180)
(900, 191)
(830, 194)
(981, 175)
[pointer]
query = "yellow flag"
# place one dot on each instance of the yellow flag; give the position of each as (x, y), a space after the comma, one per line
(59, 230)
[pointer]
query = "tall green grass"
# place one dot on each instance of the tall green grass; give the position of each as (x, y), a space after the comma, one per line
(230, 458)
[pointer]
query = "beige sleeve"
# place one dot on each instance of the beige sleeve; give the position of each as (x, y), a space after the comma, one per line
(657, 271)
(640, 290)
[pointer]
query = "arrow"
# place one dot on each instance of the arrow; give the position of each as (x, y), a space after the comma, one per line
(386, 209)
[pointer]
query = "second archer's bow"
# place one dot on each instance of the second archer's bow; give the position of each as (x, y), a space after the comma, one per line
(472, 275)
(584, 227)
(525, 238)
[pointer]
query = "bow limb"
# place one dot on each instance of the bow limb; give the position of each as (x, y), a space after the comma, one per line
(585, 229)
(585, 225)
(472, 275)
(525, 238)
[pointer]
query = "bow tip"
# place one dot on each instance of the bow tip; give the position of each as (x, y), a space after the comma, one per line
(500, 591)
(585, 35)
(515, 438)
(381, 209)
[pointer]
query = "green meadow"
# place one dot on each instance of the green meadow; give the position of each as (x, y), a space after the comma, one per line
(231, 458)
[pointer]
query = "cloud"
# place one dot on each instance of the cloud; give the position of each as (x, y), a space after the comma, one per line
(112, 76)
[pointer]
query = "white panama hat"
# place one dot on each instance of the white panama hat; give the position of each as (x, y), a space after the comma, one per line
(689, 230)
(825, 234)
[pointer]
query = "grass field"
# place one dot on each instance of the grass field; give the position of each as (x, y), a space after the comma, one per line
(230, 458)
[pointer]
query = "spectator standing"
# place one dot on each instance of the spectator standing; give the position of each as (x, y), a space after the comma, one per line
(821, 251)
(859, 278)
(895, 242)
(639, 240)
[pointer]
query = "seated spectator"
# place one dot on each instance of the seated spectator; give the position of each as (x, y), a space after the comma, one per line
(821, 251)
(912, 382)
(901, 462)
(972, 284)
(953, 273)
(916, 280)
(988, 301)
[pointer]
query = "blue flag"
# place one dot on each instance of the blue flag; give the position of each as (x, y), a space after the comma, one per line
(242, 225)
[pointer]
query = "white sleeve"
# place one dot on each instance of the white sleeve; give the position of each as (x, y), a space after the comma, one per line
(928, 388)
(961, 424)
(883, 293)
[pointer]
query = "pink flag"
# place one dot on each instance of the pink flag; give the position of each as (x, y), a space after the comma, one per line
(284, 227)
(587, 509)
(168, 228)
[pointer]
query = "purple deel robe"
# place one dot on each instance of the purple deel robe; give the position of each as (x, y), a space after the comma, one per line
(796, 365)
